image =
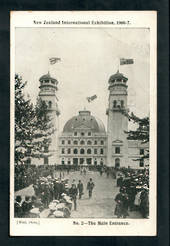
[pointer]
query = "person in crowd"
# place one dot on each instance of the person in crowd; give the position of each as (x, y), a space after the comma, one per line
(101, 171)
(120, 181)
(121, 199)
(90, 186)
(18, 207)
(144, 205)
(36, 203)
(80, 189)
(26, 206)
(107, 172)
(131, 192)
(56, 189)
(73, 194)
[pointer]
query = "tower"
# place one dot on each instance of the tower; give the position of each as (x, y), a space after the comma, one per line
(117, 123)
(48, 89)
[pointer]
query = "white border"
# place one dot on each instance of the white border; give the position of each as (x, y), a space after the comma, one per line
(65, 227)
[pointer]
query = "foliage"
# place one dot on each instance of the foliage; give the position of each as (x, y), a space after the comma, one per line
(33, 126)
(141, 133)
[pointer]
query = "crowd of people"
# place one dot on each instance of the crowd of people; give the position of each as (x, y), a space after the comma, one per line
(54, 194)
(133, 194)
(62, 194)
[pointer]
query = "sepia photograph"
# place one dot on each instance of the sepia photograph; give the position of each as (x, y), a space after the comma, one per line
(81, 123)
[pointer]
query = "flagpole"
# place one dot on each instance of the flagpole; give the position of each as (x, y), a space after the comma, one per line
(118, 63)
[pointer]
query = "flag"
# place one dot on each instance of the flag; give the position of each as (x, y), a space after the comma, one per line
(124, 61)
(53, 60)
(89, 99)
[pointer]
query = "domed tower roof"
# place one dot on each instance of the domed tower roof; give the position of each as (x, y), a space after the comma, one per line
(48, 77)
(84, 120)
(117, 77)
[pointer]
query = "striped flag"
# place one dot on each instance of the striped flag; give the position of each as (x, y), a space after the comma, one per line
(54, 60)
(89, 99)
(124, 61)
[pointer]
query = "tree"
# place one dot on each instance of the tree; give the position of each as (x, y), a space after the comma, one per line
(33, 126)
(141, 133)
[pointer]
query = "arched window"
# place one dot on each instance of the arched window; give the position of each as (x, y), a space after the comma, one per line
(75, 151)
(82, 142)
(81, 151)
(49, 104)
(75, 142)
(117, 162)
(101, 151)
(89, 151)
(89, 142)
(114, 103)
(122, 104)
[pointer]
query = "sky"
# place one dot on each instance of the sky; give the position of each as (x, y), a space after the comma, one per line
(89, 56)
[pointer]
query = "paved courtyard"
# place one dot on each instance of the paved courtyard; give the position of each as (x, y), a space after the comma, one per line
(102, 203)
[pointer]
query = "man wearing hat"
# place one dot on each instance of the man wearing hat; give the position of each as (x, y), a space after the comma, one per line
(90, 186)
(73, 194)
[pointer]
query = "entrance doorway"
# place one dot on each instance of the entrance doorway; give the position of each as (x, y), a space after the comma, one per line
(88, 160)
(117, 163)
(81, 161)
(75, 161)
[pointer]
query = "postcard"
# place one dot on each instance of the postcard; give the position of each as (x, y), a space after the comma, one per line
(83, 126)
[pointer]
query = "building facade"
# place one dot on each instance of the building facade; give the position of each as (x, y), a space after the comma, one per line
(83, 141)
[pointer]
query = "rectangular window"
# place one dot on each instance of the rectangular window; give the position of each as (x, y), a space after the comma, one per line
(95, 151)
(102, 142)
(69, 142)
(141, 164)
(117, 150)
(69, 151)
(62, 151)
(95, 142)
(75, 133)
(63, 142)
(141, 151)
(101, 151)
(89, 133)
